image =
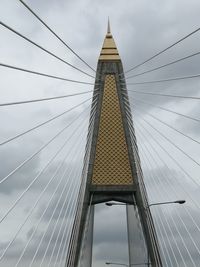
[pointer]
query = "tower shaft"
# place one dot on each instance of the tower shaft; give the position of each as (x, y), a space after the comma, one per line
(112, 169)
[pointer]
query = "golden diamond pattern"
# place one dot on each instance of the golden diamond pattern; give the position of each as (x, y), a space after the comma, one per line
(111, 165)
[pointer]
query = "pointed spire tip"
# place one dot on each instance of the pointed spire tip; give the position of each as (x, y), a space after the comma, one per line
(108, 28)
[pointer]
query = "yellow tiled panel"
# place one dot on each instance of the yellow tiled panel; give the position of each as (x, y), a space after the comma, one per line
(111, 165)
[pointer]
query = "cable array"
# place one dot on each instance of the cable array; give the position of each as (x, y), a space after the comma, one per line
(170, 126)
(42, 99)
(56, 35)
(44, 74)
(37, 201)
(38, 175)
(166, 95)
(166, 109)
(42, 193)
(140, 181)
(161, 184)
(67, 186)
(166, 80)
(165, 223)
(43, 123)
(43, 49)
(69, 190)
(165, 179)
(144, 132)
(164, 50)
(164, 65)
(44, 212)
(173, 144)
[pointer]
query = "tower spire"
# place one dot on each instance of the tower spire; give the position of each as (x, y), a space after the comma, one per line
(109, 49)
(108, 28)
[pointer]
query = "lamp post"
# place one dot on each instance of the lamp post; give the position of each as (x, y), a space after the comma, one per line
(124, 264)
(182, 201)
(115, 204)
(116, 263)
(152, 204)
(168, 202)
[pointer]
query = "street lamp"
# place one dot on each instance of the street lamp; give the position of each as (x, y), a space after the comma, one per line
(116, 263)
(152, 204)
(115, 204)
(168, 202)
(127, 265)
(119, 203)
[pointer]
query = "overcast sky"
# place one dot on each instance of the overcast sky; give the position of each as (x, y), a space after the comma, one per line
(141, 28)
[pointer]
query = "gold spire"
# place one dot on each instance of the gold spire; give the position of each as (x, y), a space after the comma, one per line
(109, 49)
(108, 28)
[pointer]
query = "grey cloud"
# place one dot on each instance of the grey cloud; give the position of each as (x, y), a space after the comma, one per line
(140, 29)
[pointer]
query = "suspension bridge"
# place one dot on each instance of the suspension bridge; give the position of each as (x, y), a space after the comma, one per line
(112, 142)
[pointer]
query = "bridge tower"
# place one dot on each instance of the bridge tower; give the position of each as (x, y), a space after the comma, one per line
(112, 169)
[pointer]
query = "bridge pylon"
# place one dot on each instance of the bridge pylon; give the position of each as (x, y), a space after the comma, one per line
(112, 170)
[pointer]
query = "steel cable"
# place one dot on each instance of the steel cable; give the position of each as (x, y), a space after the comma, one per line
(79, 206)
(166, 179)
(42, 99)
(163, 226)
(68, 202)
(40, 240)
(156, 185)
(163, 66)
(164, 50)
(37, 176)
(49, 222)
(80, 199)
(44, 74)
(38, 199)
(43, 123)
(52, 233)
(160, 158)
(160, 219)
(165, 95)
(64, 232)
(150, 224)
(165, 109)
(172, 143)
(38, 151)
(133, 134)
(56, 189)
(43, 49)
(179, 216)
(172, 158)
(64, 247)
(170, 126)
(53, 32)
(166, 80)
